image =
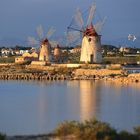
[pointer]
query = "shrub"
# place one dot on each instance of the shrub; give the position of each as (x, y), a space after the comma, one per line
(124, 135)
(137, 131)
(2, 136)
(88, 130)
(66, 128)
(94, 129)
(7, 60)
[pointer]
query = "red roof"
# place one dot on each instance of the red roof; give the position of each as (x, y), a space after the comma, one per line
(45, 41)
(90, 31)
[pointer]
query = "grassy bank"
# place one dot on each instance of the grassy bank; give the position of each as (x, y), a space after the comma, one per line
(76, 58)
(7, 59)
(121, 60)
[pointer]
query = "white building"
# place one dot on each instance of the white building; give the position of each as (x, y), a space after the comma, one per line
(91, 46)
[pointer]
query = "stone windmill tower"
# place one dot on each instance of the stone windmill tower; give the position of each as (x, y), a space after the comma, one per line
(45, 53)
(91, 40)
(57, 53)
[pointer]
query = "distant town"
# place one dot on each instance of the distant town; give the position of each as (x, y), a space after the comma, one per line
(69, 54)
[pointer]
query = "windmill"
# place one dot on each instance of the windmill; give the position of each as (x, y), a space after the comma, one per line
(45, 44)
(88, 34)
(57, 53)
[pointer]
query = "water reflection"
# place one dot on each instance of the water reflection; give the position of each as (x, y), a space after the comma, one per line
(88, 99)
(36, 107)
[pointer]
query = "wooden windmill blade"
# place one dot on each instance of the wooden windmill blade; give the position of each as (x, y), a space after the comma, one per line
(32, 41)
(79, 19)
(73, 35)
(54, 43)
(40, 32)
(92, 10)
(99, 25)
(76, 27)
(50, 32)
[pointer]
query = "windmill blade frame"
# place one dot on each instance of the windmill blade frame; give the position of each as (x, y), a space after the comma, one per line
(54, 43)
(73, 35)
(99, 25)
(50, 32)
(32, 41)
(92, 10)
(40, 32)
(79, 19)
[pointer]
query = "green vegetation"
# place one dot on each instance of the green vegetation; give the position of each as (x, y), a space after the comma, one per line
(88, 130)
(93, 130)
(7, 59)
(110, 48)
(2, 136)
(74, 58)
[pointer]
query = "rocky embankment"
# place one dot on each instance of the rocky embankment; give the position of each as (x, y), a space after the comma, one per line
(81, 74)
(131, 78)
(106, 74)
(22, 72)
(31, 76)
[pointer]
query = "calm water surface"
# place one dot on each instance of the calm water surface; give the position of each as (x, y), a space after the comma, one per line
(32, 107)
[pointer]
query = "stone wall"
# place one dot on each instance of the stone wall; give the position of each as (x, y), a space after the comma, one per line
(43, 63)
(40, 63)
(40, 67)
(96, 72)
(114, 66)
(6, 64)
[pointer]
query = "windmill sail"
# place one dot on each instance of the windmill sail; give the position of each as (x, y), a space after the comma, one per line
(99, 25)
(79, 19)
(91, 14)
(32, 41)
(50, 32)
(40, 32)
(73, 35)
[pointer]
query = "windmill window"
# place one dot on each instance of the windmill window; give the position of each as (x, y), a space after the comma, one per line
(89, 40)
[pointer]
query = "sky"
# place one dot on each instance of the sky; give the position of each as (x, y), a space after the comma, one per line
(20, 18)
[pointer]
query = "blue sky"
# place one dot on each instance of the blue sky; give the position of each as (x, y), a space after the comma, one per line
(19, 18)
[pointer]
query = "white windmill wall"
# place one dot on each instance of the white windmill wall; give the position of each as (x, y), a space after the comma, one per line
(45, 53)
(97, 49)
(91, 49)
(86, 50)
(57, 54)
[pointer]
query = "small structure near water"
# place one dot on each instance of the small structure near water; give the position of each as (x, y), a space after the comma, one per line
(26, 57)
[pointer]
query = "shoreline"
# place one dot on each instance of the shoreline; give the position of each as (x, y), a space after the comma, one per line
(55, 73)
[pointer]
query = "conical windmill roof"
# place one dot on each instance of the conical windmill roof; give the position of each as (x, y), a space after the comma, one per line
(90, 31)
(44, 41)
